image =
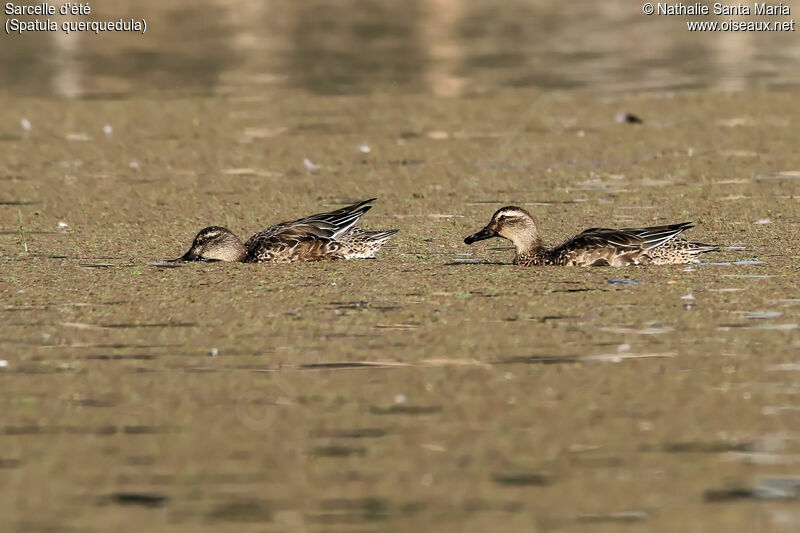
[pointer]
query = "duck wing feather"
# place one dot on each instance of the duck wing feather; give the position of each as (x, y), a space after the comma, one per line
(626, 239)
(328, 225)
(314, 235)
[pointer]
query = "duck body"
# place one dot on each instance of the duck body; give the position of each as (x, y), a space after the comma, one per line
(656, 245)
(320, 237)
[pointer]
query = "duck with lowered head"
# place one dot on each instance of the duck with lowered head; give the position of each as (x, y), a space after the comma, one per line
(320, 237)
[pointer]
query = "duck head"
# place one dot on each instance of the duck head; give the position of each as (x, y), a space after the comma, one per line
(512, 223)
(215, 243)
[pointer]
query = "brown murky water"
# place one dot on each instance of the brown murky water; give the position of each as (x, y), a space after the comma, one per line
(416, 388)
(436, 387)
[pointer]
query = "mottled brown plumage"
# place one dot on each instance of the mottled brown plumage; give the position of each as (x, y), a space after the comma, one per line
(655, 245)
(320, 237)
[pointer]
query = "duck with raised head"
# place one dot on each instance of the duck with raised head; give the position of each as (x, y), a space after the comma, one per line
(321, 237)
(656, 245)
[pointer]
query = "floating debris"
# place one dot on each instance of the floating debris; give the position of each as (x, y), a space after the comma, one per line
(622, 282)
(763, 221)
(364, 149)
(213, 352)
(108, 130)
(623, 117)
(26, 124)
(3, 363)
(62, 224)
(311, 167)
(134, 165)
(138, 498)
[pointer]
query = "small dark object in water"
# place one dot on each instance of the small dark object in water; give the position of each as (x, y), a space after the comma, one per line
(139, 498)
(623, 117)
